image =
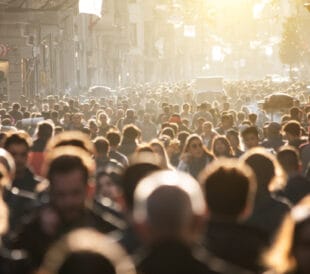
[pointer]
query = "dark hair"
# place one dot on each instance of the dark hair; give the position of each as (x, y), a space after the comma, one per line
(249, 130)
(229, 188)
(114, 138)
(19, 137)
(263, 168)
(288, 158)
(252, 117)
(229, 152)
(65, 164)
(45, 130)
(293, 128)
(101, 145)
(131, 132)
(85, 262)
(294, 112)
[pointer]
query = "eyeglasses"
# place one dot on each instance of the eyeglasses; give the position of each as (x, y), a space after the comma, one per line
(195, 145)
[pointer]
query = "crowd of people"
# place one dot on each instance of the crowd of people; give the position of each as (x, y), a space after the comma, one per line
(150, 180)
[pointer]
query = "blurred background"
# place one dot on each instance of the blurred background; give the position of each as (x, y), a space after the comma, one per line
(52, 46)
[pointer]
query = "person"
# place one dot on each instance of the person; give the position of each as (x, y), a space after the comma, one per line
(93, 128)
(85, 251)
(71, 138)
(45, 130)
(208, 134)
(250, 137)
(103, 122)
(305, 153)
(160, 150)
(274, 138)
(129, 143)
(108, 186)
(102, 149)
(68, 170)
(15, 113)
(221, 147)
(233, 138)
(292, 130)
(229, 187)
(186, 114)
(290, 252)
(268, 211)
(195, 156)
(76, 122)
(21, 197)
(202, 113)
(114, 138)
(168, 211)
(297, 186)
(226, 124)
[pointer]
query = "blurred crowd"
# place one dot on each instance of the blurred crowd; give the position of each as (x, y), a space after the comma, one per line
(154, 180)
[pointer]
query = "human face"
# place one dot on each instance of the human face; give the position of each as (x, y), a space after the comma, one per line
(207, 128)
(20, 155)
(68, 195)
(195, 148)
(76, 119)
(219, 148)
(250, 141)
(108, 188)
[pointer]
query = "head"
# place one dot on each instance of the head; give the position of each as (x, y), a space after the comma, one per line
(18, 145)
(229, 188)
(76, 119)
(233, 138)
(268, 172)
(108, 181)
(289, 159)
(250, 137)
(160, 150)
(168, 205)
(86, 251)
(207, 127)
(226, 121)
(273, 130)
(68, 170)
(194, 146)
(114, 138)
(292, 130)
(221, 147)
(131, 132)
(45, 130)
(71, 138)
(102, 147)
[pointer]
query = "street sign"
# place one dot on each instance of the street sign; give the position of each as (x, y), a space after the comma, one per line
(3, 50)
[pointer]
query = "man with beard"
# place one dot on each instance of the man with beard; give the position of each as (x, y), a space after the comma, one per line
(68, 170)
